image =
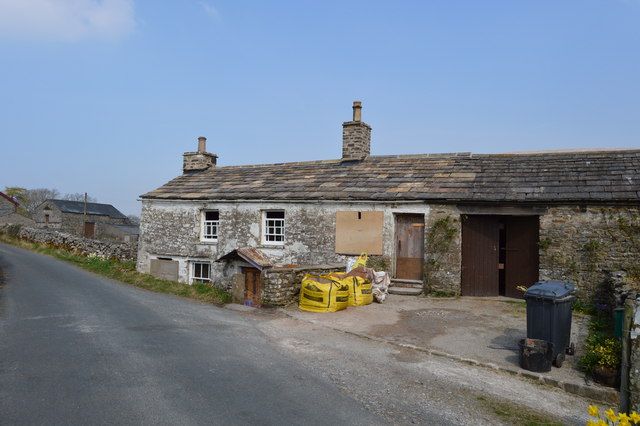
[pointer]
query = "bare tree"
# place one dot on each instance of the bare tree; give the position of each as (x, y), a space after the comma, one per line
(134, 219)
(37, 196)
(78, 196)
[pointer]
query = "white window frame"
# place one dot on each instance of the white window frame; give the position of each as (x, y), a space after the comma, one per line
(266, 226)
(204, 223)
(192, 272)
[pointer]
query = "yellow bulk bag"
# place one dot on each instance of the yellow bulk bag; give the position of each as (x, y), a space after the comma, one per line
(360, 288)
(361, 262)
(322, 294)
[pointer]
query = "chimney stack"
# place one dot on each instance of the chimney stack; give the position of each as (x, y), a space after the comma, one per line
(199, 160)
(356, 136)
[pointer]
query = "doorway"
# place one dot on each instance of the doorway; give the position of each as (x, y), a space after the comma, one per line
(252, 287)
(89, 229)
(409, 242)
(499, 253)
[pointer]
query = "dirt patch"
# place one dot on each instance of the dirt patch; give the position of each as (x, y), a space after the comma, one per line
(420, 326)
(515, 414)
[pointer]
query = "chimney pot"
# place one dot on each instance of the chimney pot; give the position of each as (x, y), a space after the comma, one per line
(202, 144)
(357, 111)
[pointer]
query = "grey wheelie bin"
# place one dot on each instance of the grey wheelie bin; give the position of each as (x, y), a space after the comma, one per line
(549, 305)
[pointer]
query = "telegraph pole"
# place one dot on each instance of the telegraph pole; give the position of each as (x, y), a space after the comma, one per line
(84, 215)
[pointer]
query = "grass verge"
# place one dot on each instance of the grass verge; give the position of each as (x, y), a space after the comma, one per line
(126, 272)
(516, 414)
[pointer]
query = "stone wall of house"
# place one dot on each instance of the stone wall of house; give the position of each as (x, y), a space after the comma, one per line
(630, 368)
(281, 286)
(6, 207)
(583, 245)
(16, 219)
(443, 250)
(85, 246)
(74, 223)
(172, 229)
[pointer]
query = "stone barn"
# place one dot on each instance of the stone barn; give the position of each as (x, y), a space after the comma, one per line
(457, 224)
(91, 220)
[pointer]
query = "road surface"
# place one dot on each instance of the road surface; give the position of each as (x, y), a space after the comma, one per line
(76, 348)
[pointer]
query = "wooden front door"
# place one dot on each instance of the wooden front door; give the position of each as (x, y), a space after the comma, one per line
(252, 287)
(89, 229)
(409, 246)
(522, 261)
(480, 236)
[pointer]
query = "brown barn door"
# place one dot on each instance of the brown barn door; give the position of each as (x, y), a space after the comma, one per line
(522, 262)
(409, 246)
(480, 237)
(252, 287)
(89, 229)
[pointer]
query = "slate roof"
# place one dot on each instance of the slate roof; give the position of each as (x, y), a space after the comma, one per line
(97, 209)
(595, 176)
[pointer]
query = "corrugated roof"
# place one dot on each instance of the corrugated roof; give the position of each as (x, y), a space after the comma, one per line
(249, 254)
(603, 176)
(92, 208)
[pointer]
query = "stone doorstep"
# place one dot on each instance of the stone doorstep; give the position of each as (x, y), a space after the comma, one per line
(405, 291)
(603, 395)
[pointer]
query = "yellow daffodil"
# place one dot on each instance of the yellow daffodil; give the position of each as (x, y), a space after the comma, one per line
(624, 422)
(602, 423)
(635, 417)
(593, 411)
(623, 416)
(592, 422)
(611, 415)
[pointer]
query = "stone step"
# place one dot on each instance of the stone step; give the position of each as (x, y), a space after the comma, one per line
(403, 281)
(405, 291)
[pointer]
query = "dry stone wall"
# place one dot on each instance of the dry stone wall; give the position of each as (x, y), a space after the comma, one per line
(282, 285)
(85, 246)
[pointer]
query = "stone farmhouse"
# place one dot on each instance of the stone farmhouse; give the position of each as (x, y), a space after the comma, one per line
(95, 220)
(462, 223)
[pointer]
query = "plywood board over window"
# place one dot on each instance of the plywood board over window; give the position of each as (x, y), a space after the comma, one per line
(358, 232)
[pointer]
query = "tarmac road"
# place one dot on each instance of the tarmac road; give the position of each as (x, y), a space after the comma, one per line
(76, 348)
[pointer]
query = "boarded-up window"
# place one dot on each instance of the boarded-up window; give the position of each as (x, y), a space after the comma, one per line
(359, 231)
(164, 269)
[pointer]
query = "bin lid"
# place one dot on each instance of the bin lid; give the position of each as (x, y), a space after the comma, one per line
(553, 290)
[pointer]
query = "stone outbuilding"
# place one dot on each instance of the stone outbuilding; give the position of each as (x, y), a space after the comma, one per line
(461, 223)
(91, 220)
(9, 212)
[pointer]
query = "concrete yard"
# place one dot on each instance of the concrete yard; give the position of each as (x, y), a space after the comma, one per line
(486, 330)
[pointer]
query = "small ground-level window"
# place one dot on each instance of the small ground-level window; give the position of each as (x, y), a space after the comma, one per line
(273, 227)
(201, 272)
(210, 224)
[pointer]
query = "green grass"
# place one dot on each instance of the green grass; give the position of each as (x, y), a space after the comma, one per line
(516, 414)
(126, 273)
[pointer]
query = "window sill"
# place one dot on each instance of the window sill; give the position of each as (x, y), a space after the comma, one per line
(209, 242)
(271, 246)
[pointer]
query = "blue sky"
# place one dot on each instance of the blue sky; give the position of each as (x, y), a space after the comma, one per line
(104, 96)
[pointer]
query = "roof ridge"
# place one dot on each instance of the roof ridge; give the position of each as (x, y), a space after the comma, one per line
(462, 154)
